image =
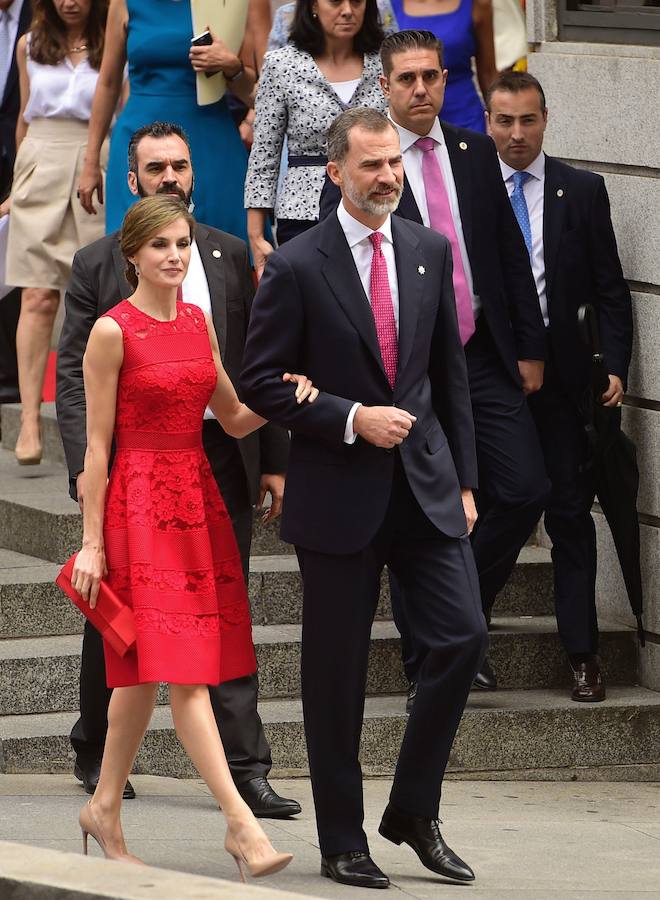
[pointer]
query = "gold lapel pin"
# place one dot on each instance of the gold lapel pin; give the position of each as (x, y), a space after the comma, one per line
(421, 270)
(560, 193)
(463, 145)
(217, 254)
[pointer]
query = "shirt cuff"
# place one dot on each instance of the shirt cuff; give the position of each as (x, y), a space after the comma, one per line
(349, 434)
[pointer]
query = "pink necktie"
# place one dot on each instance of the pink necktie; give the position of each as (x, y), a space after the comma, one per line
(383, 309)
(442, 220)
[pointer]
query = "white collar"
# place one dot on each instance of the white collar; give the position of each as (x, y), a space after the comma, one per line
(536, 168)
(408, 138)
(356, 232)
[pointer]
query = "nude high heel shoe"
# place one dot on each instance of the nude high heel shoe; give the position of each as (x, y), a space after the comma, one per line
(26, 454)
(267, 865)
(89, 825)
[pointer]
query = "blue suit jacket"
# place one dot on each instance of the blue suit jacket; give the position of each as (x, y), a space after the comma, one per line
(311, 315)
(582, 266)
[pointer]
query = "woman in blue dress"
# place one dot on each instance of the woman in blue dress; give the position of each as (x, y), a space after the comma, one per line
(154, 37)
(465, 28)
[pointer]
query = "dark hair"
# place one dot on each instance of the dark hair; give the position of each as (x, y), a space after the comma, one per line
(155, 130)
(513, 83)
(48, 44)
(358, 117)
(306, 32)
(143, 220)
(401, 41)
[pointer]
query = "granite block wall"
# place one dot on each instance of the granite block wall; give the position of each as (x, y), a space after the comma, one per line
(604, 115)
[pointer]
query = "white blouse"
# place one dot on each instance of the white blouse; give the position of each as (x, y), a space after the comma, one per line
(62, 91)
(345, 89)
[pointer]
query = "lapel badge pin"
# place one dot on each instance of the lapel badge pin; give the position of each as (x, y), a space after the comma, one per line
(421, 270)
(463, 145)
(217, 254)
(560, 193)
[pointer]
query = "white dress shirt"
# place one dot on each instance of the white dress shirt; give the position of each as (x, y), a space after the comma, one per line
(412, 165)
(357, 238)
(195, 289)
(9, 28)
(534, 191)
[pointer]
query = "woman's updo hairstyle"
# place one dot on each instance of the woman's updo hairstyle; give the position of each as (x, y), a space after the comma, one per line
(145, 219)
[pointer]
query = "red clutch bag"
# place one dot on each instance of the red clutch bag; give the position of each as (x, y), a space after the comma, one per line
(111, 618)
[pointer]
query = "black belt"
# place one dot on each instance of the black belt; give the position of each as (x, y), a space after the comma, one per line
(296, 161)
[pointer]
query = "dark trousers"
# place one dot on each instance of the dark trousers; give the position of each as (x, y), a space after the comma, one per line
(234, 702)
(513, 484)
(444, 615)
(10, 309)
(568, 514)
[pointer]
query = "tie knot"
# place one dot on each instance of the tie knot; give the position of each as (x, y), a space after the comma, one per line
(376, 238)
(519, 179)
(425, 144)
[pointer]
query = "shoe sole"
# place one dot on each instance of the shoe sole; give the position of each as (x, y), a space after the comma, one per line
(274, 813)
(396, 839)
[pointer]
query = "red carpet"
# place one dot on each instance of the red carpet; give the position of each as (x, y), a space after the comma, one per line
(49, 381)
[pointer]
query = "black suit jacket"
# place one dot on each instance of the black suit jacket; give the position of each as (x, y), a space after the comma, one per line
(311, 313)
(500, 265)
(10, 103)
(582, 266)
(98, 283)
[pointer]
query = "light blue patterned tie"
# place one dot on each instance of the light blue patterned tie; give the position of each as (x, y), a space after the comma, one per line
(520, 207)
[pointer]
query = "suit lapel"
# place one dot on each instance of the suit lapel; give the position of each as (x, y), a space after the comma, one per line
(461, 162)
(410, 275)
(407, 207)
(554, 206)
(210, 252)
(341, 275)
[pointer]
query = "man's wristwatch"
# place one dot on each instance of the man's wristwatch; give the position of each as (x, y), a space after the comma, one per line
(236, 75)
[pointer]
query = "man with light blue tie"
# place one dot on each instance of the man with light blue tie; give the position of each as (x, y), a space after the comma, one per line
(564, 216)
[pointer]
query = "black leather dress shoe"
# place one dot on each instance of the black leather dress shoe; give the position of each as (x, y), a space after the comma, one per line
(423, 835)
(264, 802)
(89, 773)
(355, 868)
(485, 679)
(412, 693)
(588, 684)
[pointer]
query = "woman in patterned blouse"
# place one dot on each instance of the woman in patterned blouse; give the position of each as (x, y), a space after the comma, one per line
(330, 65)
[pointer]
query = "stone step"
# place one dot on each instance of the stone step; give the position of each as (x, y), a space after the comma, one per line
(525, 733)
(37, 516)
(41, 674)
(32, 606)
(53, 451)
(276, 589)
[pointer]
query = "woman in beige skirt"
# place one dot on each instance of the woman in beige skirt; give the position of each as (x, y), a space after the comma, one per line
(58, 63)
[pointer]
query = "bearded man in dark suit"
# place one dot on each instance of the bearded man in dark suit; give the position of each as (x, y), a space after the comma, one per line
(564, 216)
(219, 280)
(453, 185)
(381, 471)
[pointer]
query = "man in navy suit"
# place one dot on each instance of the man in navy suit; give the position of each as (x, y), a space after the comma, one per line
(564, 215)
(381, 471)
(506, 351)
(14, 22)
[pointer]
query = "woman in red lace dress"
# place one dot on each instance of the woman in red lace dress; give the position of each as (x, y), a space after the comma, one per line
(160, 530)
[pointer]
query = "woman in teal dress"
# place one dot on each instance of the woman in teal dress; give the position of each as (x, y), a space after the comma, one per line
(154, 38)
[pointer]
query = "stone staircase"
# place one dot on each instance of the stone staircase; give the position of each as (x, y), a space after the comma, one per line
(527, 729)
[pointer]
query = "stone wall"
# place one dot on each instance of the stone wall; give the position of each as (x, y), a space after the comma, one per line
(604, 116)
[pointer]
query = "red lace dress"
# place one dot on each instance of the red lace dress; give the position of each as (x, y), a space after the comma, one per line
(170, 547)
